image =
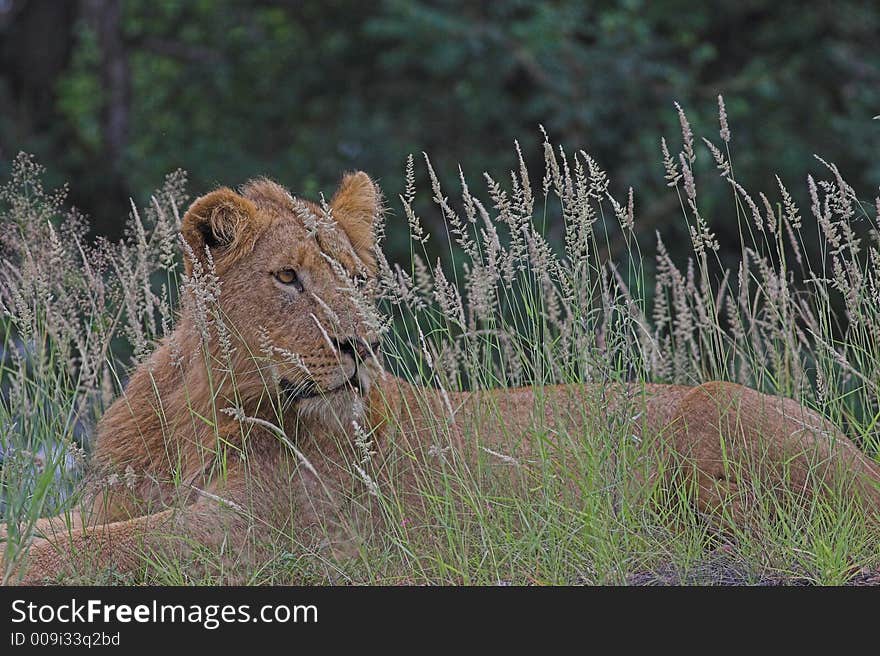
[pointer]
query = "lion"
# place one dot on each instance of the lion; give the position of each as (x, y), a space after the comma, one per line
(224, 438)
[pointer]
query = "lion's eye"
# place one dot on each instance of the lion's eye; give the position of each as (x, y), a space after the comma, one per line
(361, 281)
(288, 277)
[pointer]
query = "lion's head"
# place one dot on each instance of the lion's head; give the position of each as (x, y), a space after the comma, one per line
(295, 281)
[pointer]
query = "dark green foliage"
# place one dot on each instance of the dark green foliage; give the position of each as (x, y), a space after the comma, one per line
(304, 90)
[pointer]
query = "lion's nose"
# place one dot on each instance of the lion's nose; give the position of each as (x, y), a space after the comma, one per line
(358, 348)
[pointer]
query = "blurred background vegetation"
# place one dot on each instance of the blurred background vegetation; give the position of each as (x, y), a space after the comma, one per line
(112, 95)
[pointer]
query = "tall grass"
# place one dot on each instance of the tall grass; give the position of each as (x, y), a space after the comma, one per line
(796, 314)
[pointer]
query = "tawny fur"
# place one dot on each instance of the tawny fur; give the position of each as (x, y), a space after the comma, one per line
(171, 474)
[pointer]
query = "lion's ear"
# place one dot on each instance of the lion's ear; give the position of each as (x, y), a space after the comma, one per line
(222, 221)
(356, 206)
